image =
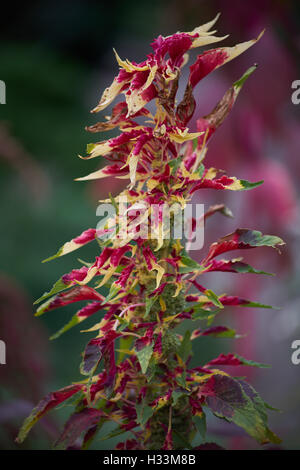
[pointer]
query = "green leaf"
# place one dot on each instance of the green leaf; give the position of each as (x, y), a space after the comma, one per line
(56, 255)
(256, 238)
(248, 185)
(175, 164)
(200, 170)
(144, 356)
(203, 314)
(238, 402)
(240, 82)
(90, 147)
(269, 407)
(113, 291)
(190, 265)
(176, 394)
(260, 407)
(44, 307)
(181, 379)
(229, 333)
(58, 286)
(73, 322)
(179, 439)
(143, 413)
(114, 433)
(185, 349)
(248, 362)
(149, 301)
(114, 203)
(153, 370)
(125, 343)
(213, 298)
(241, 267)
(200, 423)
(258, 305)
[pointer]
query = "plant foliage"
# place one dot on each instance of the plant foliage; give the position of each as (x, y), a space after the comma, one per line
(136, 369)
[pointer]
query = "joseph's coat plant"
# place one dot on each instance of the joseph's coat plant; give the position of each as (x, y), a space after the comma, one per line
(142, 291)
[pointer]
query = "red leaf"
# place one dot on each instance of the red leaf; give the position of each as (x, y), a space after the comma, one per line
(205, 64)
(84, 420)
(95, 350)
(225, 360)
(46, 404)
(76, 294)
(241, 239)
(223, 395)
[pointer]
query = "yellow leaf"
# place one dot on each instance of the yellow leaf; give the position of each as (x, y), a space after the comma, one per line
(205, 27)
(129, 66)
(183, 136)
(90, 274)
(151, 184)
(160, 272)
(162, 304)
(100, 149)
(133, 161)
(211, 173)
(135, 101)
(109, 95)
(107, 276)
(96, 175)
(205, 40)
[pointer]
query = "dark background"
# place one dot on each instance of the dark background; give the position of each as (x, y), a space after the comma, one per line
(56, 58)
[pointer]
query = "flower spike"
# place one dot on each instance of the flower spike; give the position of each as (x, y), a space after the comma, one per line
(143, 286)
